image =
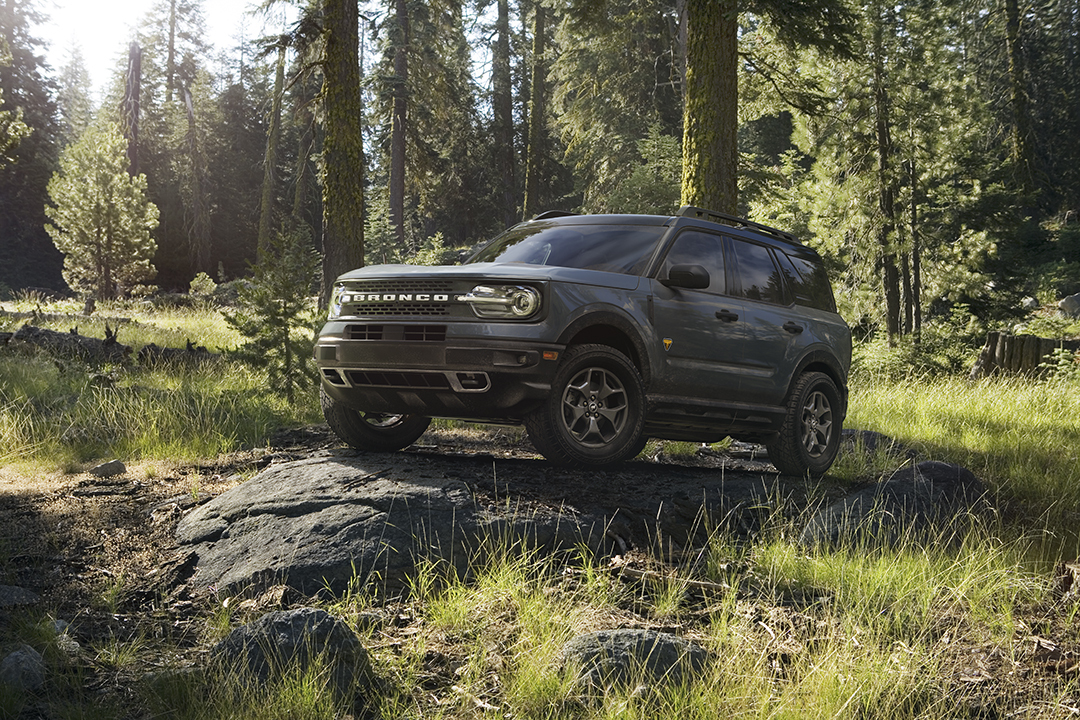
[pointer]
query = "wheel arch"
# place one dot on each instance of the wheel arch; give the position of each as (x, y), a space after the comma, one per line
(826, 363)
(605, 327)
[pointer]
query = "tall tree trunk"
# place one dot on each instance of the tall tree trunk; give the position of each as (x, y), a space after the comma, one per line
(886, 189)
(916, 251)
(130, 109)
(273, 134)
(711, 106)
(170, 55)
(198, 229)
(400, 116)
(1021, 130)
(537, 115)
(503, 106)
(343, 145)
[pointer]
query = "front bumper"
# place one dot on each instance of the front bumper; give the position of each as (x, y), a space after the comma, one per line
(416, 369)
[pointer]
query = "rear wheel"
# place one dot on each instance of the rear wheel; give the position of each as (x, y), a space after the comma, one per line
(372, 432)
(594, 415)
(810, 436)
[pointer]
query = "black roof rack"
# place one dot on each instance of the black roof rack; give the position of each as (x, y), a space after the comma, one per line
(553, 214)
(724, 218)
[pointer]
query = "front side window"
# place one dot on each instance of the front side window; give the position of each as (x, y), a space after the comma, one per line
(610, 248)
(694, 247)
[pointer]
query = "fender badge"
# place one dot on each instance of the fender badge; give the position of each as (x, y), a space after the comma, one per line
(667, 344)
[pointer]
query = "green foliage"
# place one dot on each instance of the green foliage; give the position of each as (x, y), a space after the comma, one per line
(202, 284)
(653, 185)
(945, 349)
(275, 314)
(101, 220)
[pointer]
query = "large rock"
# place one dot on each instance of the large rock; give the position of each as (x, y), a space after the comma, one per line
(621, 657)
(290, 641)
(323, 522)
(1070, 305)
(23, 669)
(915, 500)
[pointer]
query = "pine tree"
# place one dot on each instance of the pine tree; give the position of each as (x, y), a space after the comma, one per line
(73, 97)
(27, 256)
(275, 313)
(101, 220)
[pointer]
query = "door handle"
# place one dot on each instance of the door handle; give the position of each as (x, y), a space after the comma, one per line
(727, 315)
(793, 328)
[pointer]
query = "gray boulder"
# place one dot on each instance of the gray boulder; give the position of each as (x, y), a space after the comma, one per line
(1070, 305)
(292, 641)
(14, 596)
(321, 523)
(23, 670)
(621, 657)
(1029, 303)
(109, 469)
(928, 498)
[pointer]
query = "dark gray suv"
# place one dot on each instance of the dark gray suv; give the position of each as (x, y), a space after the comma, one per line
(597, 332)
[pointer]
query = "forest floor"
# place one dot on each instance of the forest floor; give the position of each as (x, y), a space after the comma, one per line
(98, 552)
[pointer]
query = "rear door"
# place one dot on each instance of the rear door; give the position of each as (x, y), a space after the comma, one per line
(777, 331)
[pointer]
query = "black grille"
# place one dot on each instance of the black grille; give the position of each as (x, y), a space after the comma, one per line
(399, 308)
(423, 333)
(364, 332)
(369, 378)
(405, 333)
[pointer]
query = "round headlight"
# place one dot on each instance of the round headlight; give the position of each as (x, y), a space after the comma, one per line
(524, 301)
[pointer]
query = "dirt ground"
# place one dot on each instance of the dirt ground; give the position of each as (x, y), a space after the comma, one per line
(101, 555)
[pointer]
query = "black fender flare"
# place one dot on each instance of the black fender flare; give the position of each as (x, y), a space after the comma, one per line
(622, 323)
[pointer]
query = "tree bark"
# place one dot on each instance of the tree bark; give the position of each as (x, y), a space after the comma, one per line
(537, 115)
(886, 191)
(130, 109)
(273, 134)
(170, 57)
(503, 105)
(343, 145)
(1021, 131)
(711, 106)
(399, 120)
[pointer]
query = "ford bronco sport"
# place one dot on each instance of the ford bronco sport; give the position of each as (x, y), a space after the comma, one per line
(597, 332)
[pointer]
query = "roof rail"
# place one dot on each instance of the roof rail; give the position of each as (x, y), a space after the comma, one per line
(724, 218)
(549, 214)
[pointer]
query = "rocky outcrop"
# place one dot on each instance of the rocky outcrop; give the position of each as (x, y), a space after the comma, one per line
(321, 523)
(928, 497)
(23, 670)
(293, 641)
(632, 656)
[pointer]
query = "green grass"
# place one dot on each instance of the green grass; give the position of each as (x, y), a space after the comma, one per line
(1020, 435)
(63, 413)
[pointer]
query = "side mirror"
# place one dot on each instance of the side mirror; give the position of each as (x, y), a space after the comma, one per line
(691, 277)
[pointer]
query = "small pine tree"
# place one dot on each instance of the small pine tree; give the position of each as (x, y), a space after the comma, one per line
(102, 221)
(276, 313)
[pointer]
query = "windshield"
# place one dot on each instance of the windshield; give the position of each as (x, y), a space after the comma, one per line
(611, 248)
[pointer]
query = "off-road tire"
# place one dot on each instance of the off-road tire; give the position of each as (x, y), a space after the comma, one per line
(595, 414)
(372, 432)
(810, 435)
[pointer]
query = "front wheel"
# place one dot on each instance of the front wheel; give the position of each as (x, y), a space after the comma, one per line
(810, 435)
(372, 432)
(594, 415)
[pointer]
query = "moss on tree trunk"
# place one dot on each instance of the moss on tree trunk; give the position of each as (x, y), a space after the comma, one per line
(710, 110)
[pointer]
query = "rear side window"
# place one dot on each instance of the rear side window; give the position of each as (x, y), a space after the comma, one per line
(809, 282)
(759, 276)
